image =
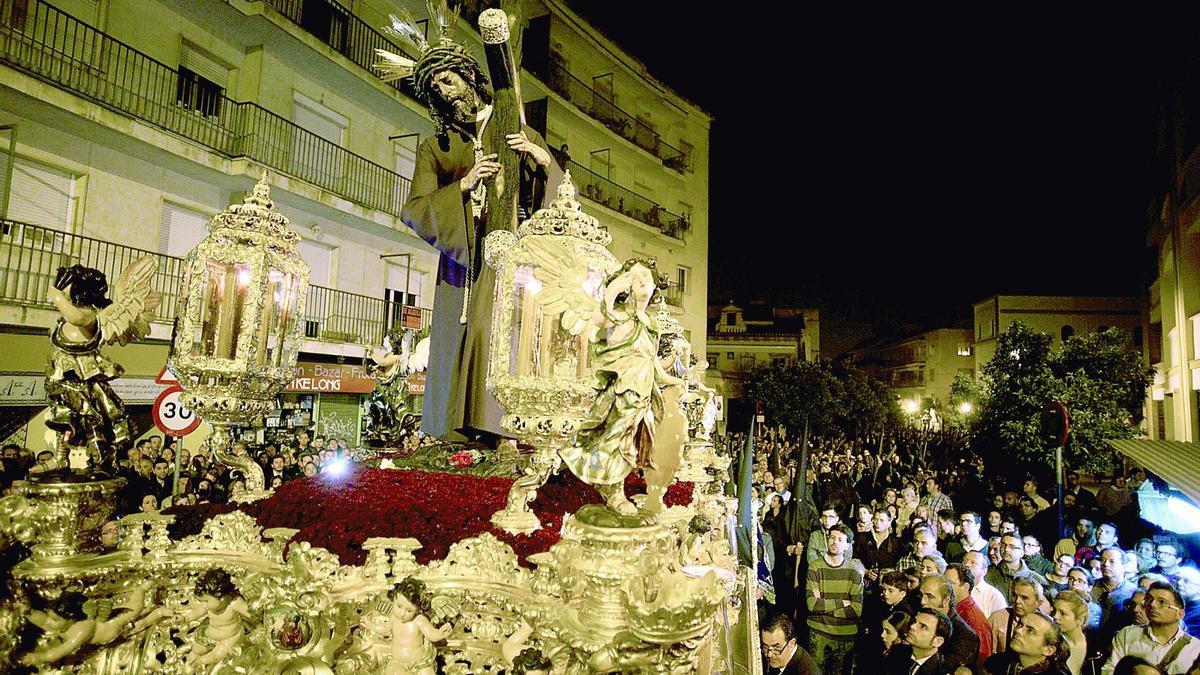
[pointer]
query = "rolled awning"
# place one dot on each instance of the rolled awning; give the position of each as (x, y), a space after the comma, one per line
(1177, 462)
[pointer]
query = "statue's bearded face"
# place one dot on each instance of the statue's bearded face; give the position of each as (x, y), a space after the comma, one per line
(455, 95)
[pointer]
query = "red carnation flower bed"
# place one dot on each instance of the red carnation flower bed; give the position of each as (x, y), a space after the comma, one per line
(437, 509)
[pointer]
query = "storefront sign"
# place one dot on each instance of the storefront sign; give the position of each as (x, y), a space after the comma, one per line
(410, 317)
(416, 383)
(137, 390)
(22, 388)
(338, 378)
(30, 389)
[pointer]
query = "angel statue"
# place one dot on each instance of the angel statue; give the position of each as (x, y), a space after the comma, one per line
(391, 410)
(84, 409)
(618, 434)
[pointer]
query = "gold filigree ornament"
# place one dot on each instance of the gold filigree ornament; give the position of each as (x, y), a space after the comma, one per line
(674, 607)
(238, 332)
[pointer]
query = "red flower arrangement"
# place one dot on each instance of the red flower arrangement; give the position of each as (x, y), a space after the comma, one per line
(462, 459)
(437, 509)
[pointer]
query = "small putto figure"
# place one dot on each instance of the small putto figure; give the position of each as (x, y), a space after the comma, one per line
(221, 605)
(413, 634)
(84, 409)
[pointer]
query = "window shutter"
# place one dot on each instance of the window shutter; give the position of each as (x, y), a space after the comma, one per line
(318, 258)
(180, 229)
(203, 65)
(41, 195)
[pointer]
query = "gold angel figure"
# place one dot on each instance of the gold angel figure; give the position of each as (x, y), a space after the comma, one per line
(617, 436)
(84, 409)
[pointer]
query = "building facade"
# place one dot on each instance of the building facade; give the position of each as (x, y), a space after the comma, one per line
(1171, 309)
(919, 366)
(1060, 316)
(118, 141)
(741, 338)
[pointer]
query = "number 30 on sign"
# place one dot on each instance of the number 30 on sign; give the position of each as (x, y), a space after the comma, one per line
(170, 415)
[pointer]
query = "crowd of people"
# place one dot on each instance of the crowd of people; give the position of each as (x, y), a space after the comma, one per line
(149, 468)
(885, 561)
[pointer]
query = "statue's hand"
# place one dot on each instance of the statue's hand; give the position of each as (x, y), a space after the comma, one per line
(485, 168)
(520, 143)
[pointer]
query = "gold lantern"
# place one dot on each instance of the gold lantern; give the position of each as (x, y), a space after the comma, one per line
(237, 334)
(539, 367)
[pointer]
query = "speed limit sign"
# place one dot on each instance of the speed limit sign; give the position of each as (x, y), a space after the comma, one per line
(170, 415)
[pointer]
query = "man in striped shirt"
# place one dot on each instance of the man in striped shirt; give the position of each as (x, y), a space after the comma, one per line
(834, 597)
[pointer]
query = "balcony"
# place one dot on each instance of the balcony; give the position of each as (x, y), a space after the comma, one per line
(31, 255)
(344, 32)
(607, 193)
(602, 109)
(44, 42)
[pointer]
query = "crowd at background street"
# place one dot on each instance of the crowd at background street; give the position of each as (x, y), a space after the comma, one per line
(887, 559)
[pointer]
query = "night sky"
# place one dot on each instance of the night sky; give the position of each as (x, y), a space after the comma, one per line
(892, 170)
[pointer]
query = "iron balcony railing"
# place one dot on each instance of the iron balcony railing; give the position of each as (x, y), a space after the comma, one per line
(39, 39)
(600, 107)
(342, 30)
(603, 191)
(30, 256)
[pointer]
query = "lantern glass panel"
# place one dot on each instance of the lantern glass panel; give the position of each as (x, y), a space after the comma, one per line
(279, 309)
(222, 306)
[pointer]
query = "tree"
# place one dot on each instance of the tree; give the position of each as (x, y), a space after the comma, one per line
(1098, 376)
(794, 393)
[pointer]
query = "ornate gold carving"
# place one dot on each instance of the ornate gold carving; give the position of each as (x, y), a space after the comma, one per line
(67, 516)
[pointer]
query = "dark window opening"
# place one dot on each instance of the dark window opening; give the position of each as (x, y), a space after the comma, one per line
(194, 92)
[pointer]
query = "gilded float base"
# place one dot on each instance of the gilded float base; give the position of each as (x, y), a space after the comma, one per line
(67, 516)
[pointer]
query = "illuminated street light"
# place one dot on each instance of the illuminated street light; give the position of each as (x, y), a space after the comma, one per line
(965, 407)
(911, 406)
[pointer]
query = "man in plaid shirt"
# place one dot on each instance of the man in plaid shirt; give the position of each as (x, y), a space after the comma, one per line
(935, 499)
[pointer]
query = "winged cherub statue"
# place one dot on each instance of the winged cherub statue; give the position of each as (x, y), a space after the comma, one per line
(618, 435)
(84, 409)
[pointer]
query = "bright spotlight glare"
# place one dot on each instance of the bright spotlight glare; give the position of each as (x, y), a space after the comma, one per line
(965, 407)
(911, 406)
(337, 468)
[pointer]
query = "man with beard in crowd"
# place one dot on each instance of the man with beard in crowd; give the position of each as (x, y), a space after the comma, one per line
(921, 653)
(1038, 647)
(962, 648)
(1012, 565)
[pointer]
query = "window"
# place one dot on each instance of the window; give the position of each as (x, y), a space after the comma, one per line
(964, 350)
(315, 146)
(180, 229)
(683, 276)
(711, 357)
(687, 149)
(41, 195)
(202, 81)
(401, 280)
(729, 319)
(405, 153)
(729, 355)
(319, 258)
(1066, 332)
(325, 21)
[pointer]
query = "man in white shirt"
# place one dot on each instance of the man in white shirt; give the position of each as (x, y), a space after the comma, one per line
(984, 594)
(1164, 643)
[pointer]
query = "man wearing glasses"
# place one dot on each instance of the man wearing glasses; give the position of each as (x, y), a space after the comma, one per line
(784, 656)
(1012, 565)
(1033, 556)
(1169, 554)
(1163, 643)
(969, 523)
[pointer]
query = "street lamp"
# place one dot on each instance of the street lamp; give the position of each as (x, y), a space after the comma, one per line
(911, 406)
(965, 407)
